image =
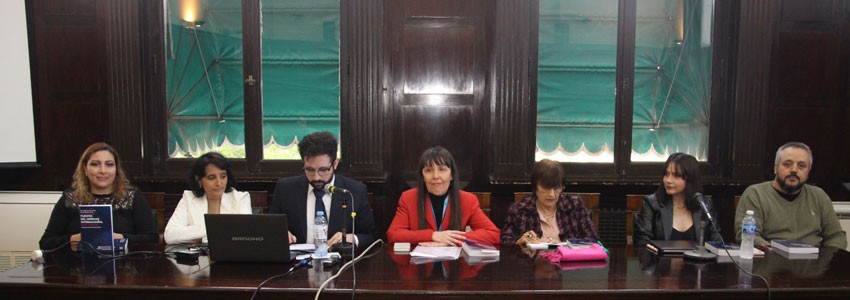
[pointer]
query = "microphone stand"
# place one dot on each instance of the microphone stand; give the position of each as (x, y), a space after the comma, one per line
(344, 247)
(700, 253)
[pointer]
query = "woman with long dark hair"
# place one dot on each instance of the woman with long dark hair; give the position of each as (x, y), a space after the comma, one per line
(672, 212)
(100, 179)
(437, 212)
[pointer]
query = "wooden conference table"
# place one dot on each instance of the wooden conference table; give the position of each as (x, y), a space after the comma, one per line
(628, 274)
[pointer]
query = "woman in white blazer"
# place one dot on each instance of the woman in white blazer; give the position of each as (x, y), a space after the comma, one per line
(212, 192)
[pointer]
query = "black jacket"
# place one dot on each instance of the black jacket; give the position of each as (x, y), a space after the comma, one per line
(655, 221)
(290, 198)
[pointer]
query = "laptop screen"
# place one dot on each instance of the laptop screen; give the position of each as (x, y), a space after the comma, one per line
(248, 238)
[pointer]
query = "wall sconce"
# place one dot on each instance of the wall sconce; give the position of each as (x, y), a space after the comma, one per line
(193, 12)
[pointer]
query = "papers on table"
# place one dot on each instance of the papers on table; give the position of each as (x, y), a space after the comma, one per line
(302, 247)
(425, 254)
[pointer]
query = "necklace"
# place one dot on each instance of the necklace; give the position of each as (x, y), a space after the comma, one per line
(547, 218)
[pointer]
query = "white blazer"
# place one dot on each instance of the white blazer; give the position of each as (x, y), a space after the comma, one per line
(187, 225)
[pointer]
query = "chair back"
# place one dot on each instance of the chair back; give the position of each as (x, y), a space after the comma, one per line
(259, 202)
(633, 205)
(484, 202)
(156, 200)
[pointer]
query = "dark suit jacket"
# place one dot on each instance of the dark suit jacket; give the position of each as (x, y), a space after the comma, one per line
(290, 198)
(655, 221)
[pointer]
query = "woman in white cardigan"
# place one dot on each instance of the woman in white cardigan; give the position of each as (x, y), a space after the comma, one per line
(212, 192)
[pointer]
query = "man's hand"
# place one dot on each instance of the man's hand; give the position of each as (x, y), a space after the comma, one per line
(336, 238)
(292, 238)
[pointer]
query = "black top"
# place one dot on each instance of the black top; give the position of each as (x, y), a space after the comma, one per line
(437, 202)
(131, 217)
(689, 234)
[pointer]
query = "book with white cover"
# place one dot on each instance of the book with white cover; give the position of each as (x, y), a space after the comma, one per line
(479, 249)
(442, 252)
(734, 249)
(793, 246)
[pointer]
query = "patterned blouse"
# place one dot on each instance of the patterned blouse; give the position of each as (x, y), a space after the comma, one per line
(573, 219)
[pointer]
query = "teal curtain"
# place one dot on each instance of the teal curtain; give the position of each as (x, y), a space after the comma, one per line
(672, 78)
(300, 80)
(576, 74)
(577, 69)
(300, 69)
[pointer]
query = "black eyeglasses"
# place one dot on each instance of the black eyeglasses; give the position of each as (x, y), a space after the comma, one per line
(322, 171)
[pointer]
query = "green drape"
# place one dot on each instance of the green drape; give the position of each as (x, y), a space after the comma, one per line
(300, 74)
(577, 69)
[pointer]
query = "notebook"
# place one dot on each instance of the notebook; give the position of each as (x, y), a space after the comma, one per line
(248, 238)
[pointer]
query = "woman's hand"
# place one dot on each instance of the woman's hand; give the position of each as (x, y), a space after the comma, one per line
(450, 237)
(529, 237)
(116, 236)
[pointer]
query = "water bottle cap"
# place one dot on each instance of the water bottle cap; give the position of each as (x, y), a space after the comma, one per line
(320, 213)
(749, 212)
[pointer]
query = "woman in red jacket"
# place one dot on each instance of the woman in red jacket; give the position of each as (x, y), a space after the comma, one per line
(439, 200)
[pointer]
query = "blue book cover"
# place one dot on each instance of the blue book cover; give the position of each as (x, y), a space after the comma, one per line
(793, 246)
(96, 229)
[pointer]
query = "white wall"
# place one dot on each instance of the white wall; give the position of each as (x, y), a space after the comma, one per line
(23, 217)
(843, 211)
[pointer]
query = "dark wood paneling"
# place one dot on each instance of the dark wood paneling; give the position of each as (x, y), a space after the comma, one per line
(439, 67)
(806, 85)
(124, 91)
(514, 81)
(364, 89)
(752, 87)
(808, 10)
(69, 75)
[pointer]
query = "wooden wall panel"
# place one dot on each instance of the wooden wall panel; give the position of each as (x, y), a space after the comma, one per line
(806, 85)
(439, 66)
(364, 89)
(70, 85)
(752, 87)
(124, 89)
(514, 85)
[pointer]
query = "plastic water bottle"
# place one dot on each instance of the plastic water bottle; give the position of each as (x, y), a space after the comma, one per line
(745, 280)
(321, 235)
(748, 234)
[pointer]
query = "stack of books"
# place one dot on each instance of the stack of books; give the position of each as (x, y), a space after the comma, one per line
(734, 249)
(794, 249)
(426, 254)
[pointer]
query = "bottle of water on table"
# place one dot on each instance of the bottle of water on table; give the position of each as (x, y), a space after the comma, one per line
(748, 234)
(321, 235)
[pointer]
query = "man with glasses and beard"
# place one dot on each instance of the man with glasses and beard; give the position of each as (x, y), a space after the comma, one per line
(789, 209)
(297, 196)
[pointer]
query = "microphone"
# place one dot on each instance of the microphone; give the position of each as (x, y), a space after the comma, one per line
(336, 189)
(701, 200)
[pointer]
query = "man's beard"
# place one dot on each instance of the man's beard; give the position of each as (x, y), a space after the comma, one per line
(787, 188)
(318, 184)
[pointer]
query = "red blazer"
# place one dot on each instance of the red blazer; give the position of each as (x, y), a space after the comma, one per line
(406, 220)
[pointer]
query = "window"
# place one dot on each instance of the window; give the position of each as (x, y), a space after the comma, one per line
(208, 105)
(668, 91)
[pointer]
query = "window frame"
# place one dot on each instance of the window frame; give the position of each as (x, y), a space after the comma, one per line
(254, 165)
(719, 153)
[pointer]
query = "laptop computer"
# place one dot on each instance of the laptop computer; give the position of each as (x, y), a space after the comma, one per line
(675, 247)
(248, 238)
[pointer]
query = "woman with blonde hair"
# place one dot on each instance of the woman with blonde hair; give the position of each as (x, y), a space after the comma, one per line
(100, 179)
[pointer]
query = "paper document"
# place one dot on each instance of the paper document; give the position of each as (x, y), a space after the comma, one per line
(447, 252)
(302, 247)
